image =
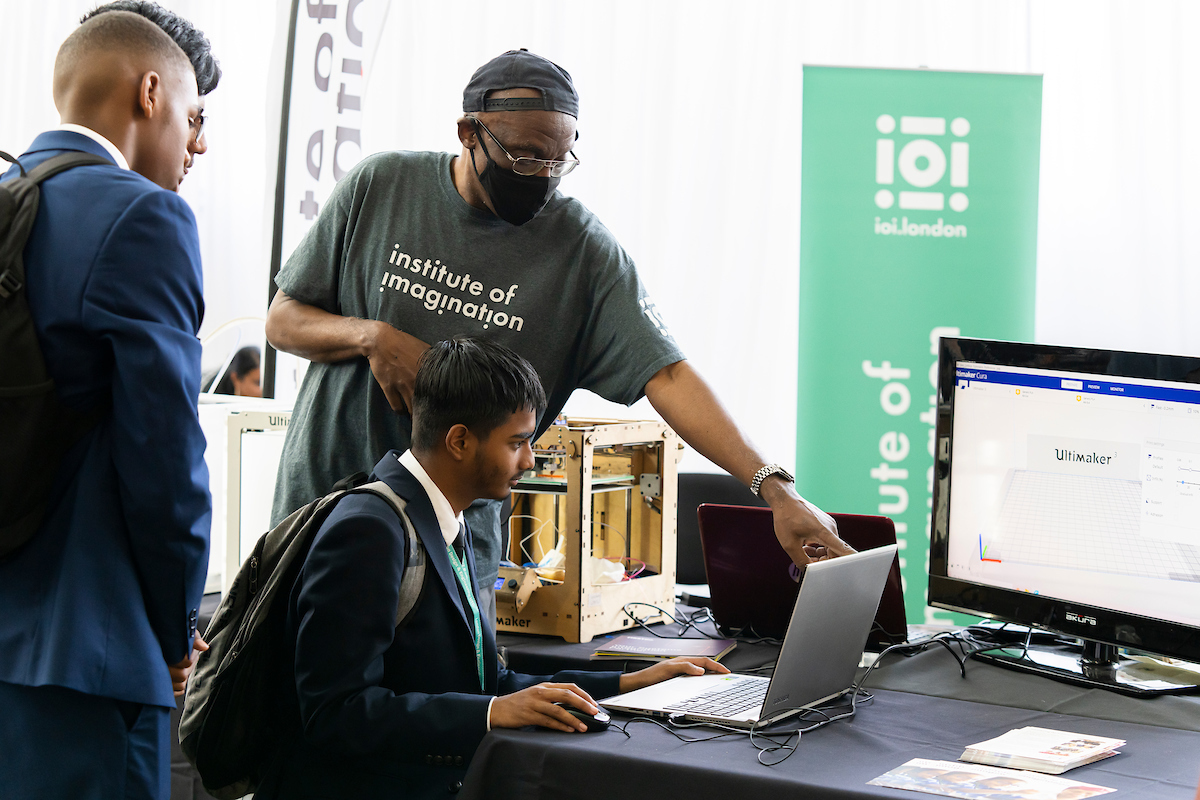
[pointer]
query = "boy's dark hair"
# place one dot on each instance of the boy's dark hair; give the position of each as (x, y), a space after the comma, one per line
(473, 382)
(190, 40)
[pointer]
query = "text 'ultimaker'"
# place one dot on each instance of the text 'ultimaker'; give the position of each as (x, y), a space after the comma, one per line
(922, 163)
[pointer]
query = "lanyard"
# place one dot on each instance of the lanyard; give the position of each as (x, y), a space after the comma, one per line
(464, 580)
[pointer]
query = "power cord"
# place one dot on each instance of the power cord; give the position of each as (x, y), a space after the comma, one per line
(692, 621)
(747, 635)
(765, 743)
(985, 639)
(668, 728)
(685, 622)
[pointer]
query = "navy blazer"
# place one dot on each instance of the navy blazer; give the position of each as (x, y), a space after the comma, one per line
(107, 592)
(387, 711)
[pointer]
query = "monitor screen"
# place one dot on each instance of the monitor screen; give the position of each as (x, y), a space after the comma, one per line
(1068, 492)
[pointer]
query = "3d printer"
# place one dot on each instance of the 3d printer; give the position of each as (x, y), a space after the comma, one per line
(592, 529)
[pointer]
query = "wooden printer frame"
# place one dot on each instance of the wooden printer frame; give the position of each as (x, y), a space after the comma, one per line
(600, 490)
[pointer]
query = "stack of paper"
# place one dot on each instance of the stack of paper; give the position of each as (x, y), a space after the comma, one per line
(1042, 750)
(632, 646)
(951, 779)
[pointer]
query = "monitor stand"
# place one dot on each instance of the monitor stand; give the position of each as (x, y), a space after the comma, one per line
(1096, 665)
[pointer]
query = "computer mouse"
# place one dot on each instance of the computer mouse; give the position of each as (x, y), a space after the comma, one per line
(595, 724)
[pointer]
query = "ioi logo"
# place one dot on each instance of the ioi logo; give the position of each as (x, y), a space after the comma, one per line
(922, 163)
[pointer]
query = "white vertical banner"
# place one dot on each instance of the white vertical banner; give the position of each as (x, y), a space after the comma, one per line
(330, 46)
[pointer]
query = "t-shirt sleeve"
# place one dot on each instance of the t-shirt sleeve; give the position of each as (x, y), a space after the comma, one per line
(626, 341)
(312, 273)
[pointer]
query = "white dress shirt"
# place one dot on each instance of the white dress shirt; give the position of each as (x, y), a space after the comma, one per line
(447, 521)
(117, 155)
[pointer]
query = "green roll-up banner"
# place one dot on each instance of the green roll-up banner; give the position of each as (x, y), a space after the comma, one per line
(918, 219)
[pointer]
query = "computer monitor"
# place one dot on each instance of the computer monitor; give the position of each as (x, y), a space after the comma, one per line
(1066, 498)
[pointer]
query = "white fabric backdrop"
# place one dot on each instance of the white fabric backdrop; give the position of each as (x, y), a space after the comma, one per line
(704, 97)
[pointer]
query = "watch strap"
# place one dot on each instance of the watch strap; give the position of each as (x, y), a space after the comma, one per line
(766, 472)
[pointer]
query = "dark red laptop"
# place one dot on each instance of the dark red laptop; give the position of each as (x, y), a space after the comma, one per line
(754, 583)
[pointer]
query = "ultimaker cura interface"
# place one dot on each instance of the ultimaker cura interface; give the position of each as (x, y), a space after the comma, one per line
(1059, 477)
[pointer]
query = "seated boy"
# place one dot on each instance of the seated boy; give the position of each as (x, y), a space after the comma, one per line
(399, 711)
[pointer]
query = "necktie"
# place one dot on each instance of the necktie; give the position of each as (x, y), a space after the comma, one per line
(464, 580)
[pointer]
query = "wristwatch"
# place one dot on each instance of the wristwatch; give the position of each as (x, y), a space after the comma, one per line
(766, 472)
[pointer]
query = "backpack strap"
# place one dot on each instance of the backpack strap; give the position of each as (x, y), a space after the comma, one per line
(20, 219)
(36, 429)
(14, 161)
(52, 166)
(412, 583)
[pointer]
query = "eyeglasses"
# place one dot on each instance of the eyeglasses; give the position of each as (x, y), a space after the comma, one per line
(197, 125)
(530, 166)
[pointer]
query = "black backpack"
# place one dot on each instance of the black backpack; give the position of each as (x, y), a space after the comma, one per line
(241, 699)
(36, 429)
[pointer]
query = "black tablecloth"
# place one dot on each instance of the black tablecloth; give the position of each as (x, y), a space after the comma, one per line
(934, 672)
(833, 762)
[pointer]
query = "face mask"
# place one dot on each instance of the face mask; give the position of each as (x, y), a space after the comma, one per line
(516, 198)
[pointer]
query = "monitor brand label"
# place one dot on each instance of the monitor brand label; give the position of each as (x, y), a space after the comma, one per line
(1081, 619)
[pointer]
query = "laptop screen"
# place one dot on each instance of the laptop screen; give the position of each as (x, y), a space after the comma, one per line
(753, 582)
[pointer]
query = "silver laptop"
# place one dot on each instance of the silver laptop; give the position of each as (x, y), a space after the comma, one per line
(821, 651)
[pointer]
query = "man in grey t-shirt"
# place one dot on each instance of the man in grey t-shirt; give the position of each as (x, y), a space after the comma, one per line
(413, 248)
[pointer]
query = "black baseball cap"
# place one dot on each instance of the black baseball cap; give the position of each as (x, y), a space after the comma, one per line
(521, 69)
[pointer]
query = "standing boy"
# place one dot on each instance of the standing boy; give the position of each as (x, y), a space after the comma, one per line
(98, 610)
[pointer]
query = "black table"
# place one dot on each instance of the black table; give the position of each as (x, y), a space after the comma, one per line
(923, 708)
(935, 673)
(833, 762)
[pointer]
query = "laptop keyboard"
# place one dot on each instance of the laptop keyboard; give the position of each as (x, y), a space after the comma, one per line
(729, 701)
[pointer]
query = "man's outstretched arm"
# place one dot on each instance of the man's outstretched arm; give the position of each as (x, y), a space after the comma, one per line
(318, 335)
(691, 408)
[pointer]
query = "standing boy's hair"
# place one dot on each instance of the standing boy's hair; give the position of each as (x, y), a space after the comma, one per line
(473, 382)
(190, 40)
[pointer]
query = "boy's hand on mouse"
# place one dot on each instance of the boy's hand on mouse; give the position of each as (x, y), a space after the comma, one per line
(536, 706)
(683, 665)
